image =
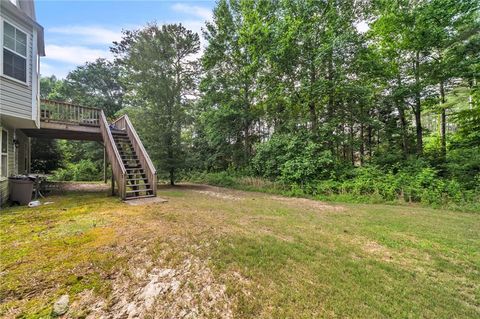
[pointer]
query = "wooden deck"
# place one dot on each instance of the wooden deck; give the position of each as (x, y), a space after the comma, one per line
(60, 120)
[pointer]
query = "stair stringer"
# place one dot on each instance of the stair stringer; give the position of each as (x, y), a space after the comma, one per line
(118, 169)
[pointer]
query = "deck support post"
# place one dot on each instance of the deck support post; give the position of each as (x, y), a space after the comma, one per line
(104, 164)
(113, 184)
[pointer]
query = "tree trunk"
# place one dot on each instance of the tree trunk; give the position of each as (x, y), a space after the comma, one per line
(331, 97)
(370, 141)
(443, 122)
(352, 148)
(403, 120)
(419, 131)
(172, 176)
(417, 108)
(311, 103)
(313, 116)
(362, 145)
(403, 124)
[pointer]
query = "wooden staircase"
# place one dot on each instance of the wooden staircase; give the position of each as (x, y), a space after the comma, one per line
(132, 168)
(137, 183)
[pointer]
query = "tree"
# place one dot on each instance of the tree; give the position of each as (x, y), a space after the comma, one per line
(49, 85)
(159, 69)
(228, 87)
(95, 84)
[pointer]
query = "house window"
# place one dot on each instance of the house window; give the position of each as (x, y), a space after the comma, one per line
(14, 52)
(4, 154)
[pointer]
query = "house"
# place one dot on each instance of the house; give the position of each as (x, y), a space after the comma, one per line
(23, 115)
(22, 45)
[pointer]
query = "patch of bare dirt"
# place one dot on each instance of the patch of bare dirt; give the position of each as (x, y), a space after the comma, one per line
(145, 201)
(374, 248)
(80, 187)
(309, 203)
(221, 195)
(158, 290)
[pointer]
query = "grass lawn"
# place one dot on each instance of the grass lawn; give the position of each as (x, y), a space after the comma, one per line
(216, 253)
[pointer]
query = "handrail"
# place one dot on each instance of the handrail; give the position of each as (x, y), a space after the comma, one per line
(140, 144)
(124, 123)
(114, 157)
(68, 113)
(47, 101)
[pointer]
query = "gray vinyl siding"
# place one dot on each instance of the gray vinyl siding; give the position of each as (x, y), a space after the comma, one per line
(18, 162)
(16, 98)
(3, 192)
(4, 183)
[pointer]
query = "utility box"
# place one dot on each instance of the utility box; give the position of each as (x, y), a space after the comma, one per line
(21, 189)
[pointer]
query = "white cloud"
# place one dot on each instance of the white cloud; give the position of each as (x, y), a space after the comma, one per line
(88, 34)
(61, 59)
(74, 54)
(201, 12)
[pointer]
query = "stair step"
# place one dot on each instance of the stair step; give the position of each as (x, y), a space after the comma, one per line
(138, 187)
(117, 131)
(141, 187)
(137, 179)
(132, 167)
(139, 191)
(139, 197)
(134, 162)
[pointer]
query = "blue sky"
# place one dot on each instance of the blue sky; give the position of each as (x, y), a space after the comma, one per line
(81, 31)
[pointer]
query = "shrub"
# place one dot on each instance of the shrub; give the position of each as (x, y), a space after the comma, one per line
(85, 170)
(292, 159)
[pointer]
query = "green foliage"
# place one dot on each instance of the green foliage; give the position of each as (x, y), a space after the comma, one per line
(84, 170)
(413, 182)
(95, 84)
(159, 74)
(293, 159)
(311, 102)
(46, 155)
(292, 95)
(464, 166)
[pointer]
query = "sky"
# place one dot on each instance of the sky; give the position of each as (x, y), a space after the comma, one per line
(79, 31)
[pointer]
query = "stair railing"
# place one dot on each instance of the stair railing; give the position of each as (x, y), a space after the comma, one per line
(119, 171)
(124, 123)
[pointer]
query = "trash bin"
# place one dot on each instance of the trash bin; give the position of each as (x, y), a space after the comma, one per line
(21, 188)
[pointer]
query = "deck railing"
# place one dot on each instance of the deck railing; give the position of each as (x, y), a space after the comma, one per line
(67, 113)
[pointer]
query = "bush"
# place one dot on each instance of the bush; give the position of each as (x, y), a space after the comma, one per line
(415, 182)
(292, 159)
(85, 170)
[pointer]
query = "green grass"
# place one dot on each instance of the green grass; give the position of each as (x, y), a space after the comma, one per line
(278, 257)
